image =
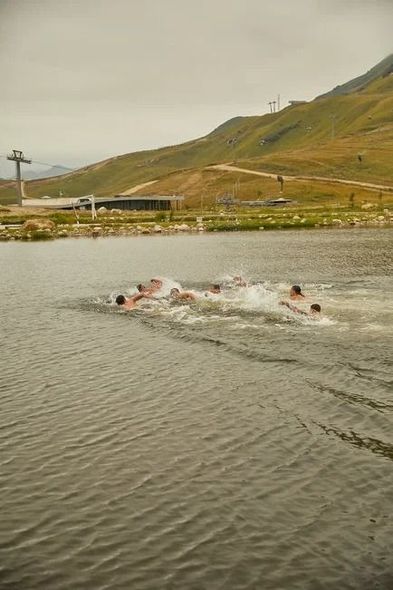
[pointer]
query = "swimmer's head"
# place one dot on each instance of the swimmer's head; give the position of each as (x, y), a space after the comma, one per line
(315, 308)
(141, 288)
(174, 292)
(156, 282)
(215, 289)
(120, 300)
(296, 290)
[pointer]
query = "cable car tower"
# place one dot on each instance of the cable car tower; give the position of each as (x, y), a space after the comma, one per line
(18, 157)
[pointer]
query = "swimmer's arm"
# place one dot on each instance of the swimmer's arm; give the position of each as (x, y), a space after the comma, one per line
(292, 307)
(285, 303)
(137, 297)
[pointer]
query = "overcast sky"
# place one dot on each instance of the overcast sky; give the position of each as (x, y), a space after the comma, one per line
(82, 80)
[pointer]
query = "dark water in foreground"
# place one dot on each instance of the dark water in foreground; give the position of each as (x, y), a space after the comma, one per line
(222, 445)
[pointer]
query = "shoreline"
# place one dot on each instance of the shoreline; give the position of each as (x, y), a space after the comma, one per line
(19, 224)
(46, 232)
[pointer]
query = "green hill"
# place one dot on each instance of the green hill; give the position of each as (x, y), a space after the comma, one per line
(382, 69)
(348, 136)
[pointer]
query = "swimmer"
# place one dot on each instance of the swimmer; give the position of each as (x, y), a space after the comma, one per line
(147, 291)
(182, 295)
(128, 302)
(240, 282)
(295, 293)
(314, 311)
(215, 289)
(156, 284)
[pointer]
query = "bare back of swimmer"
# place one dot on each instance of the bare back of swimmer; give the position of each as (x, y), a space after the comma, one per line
(182, 295)
(128, 302)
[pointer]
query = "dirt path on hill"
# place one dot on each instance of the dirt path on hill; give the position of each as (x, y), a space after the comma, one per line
(136, 188)
(376, 187)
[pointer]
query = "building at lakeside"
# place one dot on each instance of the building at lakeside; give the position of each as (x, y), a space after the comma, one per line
(132, 203)
(124, 203)
(269, 203)
(279, 202)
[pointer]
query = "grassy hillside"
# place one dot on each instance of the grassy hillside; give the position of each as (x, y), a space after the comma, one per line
(7, 192)
(324, 137)
(382, 69)
(244, 186)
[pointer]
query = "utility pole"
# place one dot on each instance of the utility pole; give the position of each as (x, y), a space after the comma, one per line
(270, 105)
(93, 208)
(274, 106)
(18, 157)
(278, 102)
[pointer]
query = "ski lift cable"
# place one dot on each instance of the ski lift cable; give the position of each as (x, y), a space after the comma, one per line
(34, 161)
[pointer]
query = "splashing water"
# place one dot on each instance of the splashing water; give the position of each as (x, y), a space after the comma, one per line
(239, 307)
(257, 305)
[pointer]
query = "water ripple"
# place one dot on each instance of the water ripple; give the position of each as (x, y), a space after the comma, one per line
(220, 446)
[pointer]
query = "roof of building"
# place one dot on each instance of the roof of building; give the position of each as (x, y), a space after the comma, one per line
(142, 198)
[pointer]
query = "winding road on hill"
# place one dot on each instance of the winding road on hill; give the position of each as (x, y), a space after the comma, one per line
(230, 168)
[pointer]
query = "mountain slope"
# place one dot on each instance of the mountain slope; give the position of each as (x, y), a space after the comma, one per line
(57, 170)
(345, 136)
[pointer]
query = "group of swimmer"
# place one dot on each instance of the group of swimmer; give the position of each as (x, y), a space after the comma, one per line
(295, 294)
(155, 285)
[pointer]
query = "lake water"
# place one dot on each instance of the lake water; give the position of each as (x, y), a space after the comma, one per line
(224, 444)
